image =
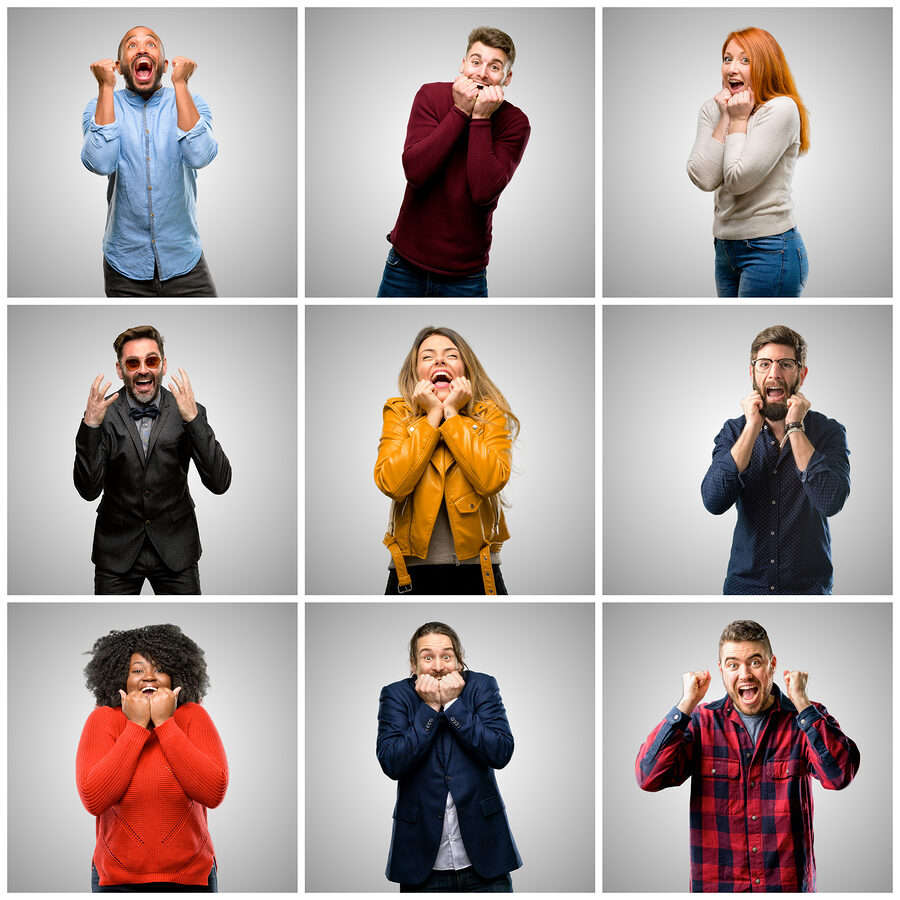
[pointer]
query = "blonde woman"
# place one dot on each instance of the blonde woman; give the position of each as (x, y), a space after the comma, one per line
(443, 458)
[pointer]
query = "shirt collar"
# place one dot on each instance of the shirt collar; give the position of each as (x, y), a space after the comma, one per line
(137, 101)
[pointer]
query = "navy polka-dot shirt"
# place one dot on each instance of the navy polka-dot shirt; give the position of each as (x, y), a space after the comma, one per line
(782, 543)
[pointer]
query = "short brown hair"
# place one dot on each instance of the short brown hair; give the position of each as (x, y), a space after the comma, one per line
(435, 628)
(745, 630)
(780, 334)
(135, 334)
(493, 37)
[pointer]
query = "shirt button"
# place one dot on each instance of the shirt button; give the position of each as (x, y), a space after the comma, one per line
(151, 215)
(149, 187)
(747, 754)
(753, 817)
(753, 849)
(771, 587)
(148, 159)
(774, 471)
(153, 241)
(147, 521)
(712, 771)
(446, 778)
(757, 881)
(803, 721)
(753, 784)
(146, 493)
(772, 561)
(676, 717)
(771, 532)
(773, 503)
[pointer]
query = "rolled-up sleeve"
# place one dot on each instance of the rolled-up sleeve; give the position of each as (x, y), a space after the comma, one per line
(100, 149)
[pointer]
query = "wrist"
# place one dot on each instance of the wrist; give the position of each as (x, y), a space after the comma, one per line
(686, 706)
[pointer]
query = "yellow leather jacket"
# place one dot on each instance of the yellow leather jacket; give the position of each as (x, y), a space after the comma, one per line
(465, 462)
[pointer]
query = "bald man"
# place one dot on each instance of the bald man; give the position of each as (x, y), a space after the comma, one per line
(150, 141)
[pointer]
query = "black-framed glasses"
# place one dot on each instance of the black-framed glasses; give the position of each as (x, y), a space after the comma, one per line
(133, 363)
(785, 365)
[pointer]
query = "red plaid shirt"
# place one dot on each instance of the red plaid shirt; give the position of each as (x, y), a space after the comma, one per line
(751, 807)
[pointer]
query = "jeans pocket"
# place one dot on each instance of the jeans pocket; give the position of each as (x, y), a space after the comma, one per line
(771, 244)
(393, 258)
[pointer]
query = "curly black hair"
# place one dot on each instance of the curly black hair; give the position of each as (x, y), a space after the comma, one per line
(164, 645)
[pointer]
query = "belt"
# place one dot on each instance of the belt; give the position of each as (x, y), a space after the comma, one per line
(404, 581)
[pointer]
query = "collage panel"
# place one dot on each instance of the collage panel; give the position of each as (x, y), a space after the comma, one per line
(381, 477)
(456, 184)
(152, 745)
(218, 476)
(477, 728)
(812, 681)
(749, 163)
(193, 150)
(774, 528)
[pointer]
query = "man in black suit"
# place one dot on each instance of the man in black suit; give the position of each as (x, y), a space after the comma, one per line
(135, 447)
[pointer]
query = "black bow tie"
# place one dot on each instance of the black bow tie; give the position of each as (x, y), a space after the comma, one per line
(138, 413)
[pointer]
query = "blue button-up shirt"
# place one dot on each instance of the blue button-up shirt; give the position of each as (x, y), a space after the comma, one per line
(782, 543)
(152, 167)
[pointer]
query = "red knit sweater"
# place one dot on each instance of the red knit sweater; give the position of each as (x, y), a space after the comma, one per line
(149, 790)
(455, 169)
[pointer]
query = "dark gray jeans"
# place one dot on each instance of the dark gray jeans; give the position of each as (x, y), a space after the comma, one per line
(196, 283)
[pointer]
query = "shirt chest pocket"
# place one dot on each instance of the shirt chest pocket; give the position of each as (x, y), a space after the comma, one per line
(786, 780)
(720, 786)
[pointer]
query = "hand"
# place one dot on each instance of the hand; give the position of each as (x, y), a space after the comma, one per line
(136, 707)
(105, 71)
(741, 104)
(428, 688)
(184, 396)
(182, 69)
(488, 101)
(722, 99)
(752, 405)
(798, 407)
(162, 704)
(795, 685)
(464, 93)
(450, 687)
(460, 394)
(694, 688)
(423, 394)
(97, 405)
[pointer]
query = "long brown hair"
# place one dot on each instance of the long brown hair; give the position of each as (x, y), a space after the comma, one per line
(483, 389)
(770, 75)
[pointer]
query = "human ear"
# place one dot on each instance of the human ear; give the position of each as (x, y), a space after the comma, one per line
(508, 78)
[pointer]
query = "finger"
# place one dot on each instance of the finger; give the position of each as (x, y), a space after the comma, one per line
(122, 694)
(111, 400)
(177, 690)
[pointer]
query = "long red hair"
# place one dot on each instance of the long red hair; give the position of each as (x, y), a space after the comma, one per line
(770, 75)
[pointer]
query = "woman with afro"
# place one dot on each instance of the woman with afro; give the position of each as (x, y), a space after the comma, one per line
(150, 763)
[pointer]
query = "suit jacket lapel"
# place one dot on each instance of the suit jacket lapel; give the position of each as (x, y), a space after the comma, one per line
(166, 405)
(122, 408)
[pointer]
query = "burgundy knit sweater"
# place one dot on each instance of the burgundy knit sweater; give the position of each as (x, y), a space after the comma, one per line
(149, 790)
(455, 169)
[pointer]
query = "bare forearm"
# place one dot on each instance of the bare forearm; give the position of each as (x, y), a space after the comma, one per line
(801, 448)
(105, 113)
(188, 116)
(721, 129)
(737, 126)
(743, 447)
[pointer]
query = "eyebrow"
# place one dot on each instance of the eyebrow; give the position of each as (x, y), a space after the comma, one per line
(736, 659)
(429, 650)
(433, 350)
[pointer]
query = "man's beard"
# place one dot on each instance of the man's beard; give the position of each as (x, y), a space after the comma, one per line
(149, 397)
(776, 411)
(143, 90)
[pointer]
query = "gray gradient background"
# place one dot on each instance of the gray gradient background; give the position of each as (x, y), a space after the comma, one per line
(246, 198)
(353, 355)
(847, 650)
(535, 651)
(374, 61)
(249, 533)
(841, 61)
(657, 536)
(251, 655)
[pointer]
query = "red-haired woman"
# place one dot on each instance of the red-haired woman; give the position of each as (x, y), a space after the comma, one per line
(748, 138)
(443, 458)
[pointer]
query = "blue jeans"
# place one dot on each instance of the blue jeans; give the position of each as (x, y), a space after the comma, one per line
(772, 266)
(171, 887)
(402, 279)
(462, 881)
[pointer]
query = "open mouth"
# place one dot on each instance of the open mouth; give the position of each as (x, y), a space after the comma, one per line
(441, 377)
(148, 690)
(143, 71)
(143, 383)
(749, 693)
(775, 394)
(735, 85)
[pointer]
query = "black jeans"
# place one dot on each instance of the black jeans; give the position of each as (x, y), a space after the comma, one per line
(148, 565)
(450, 579)
(211, 886)
(196, 283)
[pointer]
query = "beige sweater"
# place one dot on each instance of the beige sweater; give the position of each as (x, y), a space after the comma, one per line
(751, 173)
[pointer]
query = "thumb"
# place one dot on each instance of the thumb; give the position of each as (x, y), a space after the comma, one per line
(177, 690)
(122, 694)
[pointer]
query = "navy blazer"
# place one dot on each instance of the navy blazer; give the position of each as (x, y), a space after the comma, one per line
(147, 495)
(428, 753)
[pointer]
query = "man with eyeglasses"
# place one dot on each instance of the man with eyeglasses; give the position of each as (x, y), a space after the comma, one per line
(787, 468)
(135, 448)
